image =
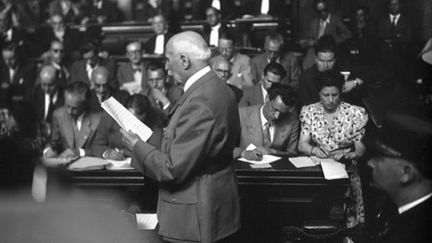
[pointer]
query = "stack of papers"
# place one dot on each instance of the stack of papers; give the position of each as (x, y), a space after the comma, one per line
(300, 162)
(146, 221)
(119, 164)
(88, 163)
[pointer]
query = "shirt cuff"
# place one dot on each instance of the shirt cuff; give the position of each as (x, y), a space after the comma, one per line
(81, 152)
(166, 106)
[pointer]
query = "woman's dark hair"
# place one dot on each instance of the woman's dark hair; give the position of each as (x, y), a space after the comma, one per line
(140, 103)
(330, 79)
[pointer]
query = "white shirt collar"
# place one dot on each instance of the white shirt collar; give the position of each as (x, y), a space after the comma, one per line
(264, 92)
(79, 121)
(396, 16)
(263, 119)
(195, 77)
(327, 20)
(216, 27)
(159, 44)
(9, 34)
(412, 204)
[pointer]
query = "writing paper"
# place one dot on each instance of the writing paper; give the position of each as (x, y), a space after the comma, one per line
(333, 170)
(125, 119)
(300, 162)
(146, 220)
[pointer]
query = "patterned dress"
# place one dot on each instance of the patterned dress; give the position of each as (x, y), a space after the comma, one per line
(338, 136)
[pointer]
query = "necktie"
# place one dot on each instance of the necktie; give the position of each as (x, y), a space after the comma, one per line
(266, 135)
(323, 25)
(50, 109)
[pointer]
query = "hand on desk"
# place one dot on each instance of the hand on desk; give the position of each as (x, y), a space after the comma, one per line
(254, 154)
(319, 152)
(129, 139)
(113, 154)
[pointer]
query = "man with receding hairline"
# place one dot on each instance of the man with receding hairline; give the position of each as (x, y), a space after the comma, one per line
(198, 194)
(102, 90)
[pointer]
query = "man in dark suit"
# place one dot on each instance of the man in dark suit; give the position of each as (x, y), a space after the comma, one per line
(108, 144)
(74, 125)
(43, 99)
(214, 27)
(273, 53)
(257, 94)
(16, 76)
(131, 75)
(56, 58)
(273, 127)
(325, 24)
(8, 33)
(274, 8)
(101, 11)
(156, 44)
(102, 91)
(81, 70)
(194, 164)
(401, 167)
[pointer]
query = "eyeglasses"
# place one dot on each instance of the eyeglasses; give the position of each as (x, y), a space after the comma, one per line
(57, 50)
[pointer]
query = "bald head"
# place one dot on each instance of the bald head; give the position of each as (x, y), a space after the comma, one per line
(48, 79)
(187, 53)
(100, 81)
(134, 52)
(221, 67)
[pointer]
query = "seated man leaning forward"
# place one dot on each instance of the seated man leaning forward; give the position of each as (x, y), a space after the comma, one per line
(273, 127)
(73, 126)
(198, 194)
(107, 143)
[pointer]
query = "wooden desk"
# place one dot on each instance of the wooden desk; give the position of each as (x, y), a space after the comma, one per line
(271, 198)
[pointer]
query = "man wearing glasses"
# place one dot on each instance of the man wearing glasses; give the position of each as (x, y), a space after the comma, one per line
(257, 94)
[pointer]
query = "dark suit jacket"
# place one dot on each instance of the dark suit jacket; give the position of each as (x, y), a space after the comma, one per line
(149, 46)
(287, 60)
(286, 132)
(62, 134)
(95, 105)
(252, 96)
(413, 225)
(402, 32)
(125, 74)
(335, 28)
(197, 180)
(79, 73)
(18, 37)
(35, 102)
(23, 80)
(108, 133)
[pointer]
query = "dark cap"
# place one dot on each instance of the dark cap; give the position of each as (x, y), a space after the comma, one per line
(405, 136)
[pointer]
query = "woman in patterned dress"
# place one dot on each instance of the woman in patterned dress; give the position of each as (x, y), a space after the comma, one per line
(332, 128)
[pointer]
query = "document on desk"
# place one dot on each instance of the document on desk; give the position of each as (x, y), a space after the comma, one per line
(119, 164)
(88, 163)
(125, 119)
(146, 221)
(263, 163)
(333, 170)
(303, 161)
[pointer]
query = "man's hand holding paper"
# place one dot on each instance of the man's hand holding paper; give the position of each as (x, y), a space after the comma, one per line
(129, 139)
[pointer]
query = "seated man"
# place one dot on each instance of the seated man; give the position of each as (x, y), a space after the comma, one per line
(257, 94)
(81, 70)
(273, 127)
(240, 64)
(108, 143)
(102, 91)
(131, 75)
(74, 126)
(222, 68)
(156, 44)
(401, 167)
(273, 47)
(163, 92)
(214, 27)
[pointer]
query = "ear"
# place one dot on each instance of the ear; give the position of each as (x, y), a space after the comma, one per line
(184, 61)
(408, 173)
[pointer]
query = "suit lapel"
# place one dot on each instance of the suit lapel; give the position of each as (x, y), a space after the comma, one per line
(253, 124)
(68, 129)
(279, 134)
(259, 94)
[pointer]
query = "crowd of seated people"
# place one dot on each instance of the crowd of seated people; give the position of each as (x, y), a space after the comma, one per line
(289, 103)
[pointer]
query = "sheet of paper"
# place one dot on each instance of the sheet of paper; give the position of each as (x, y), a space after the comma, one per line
(260, 166)
(333, 170)
(125, 119)
(119, 164)
(300, 162)
(146, 220)
(267, 159)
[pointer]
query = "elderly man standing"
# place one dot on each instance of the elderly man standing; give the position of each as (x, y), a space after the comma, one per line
(131, 75)
(198, 194)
